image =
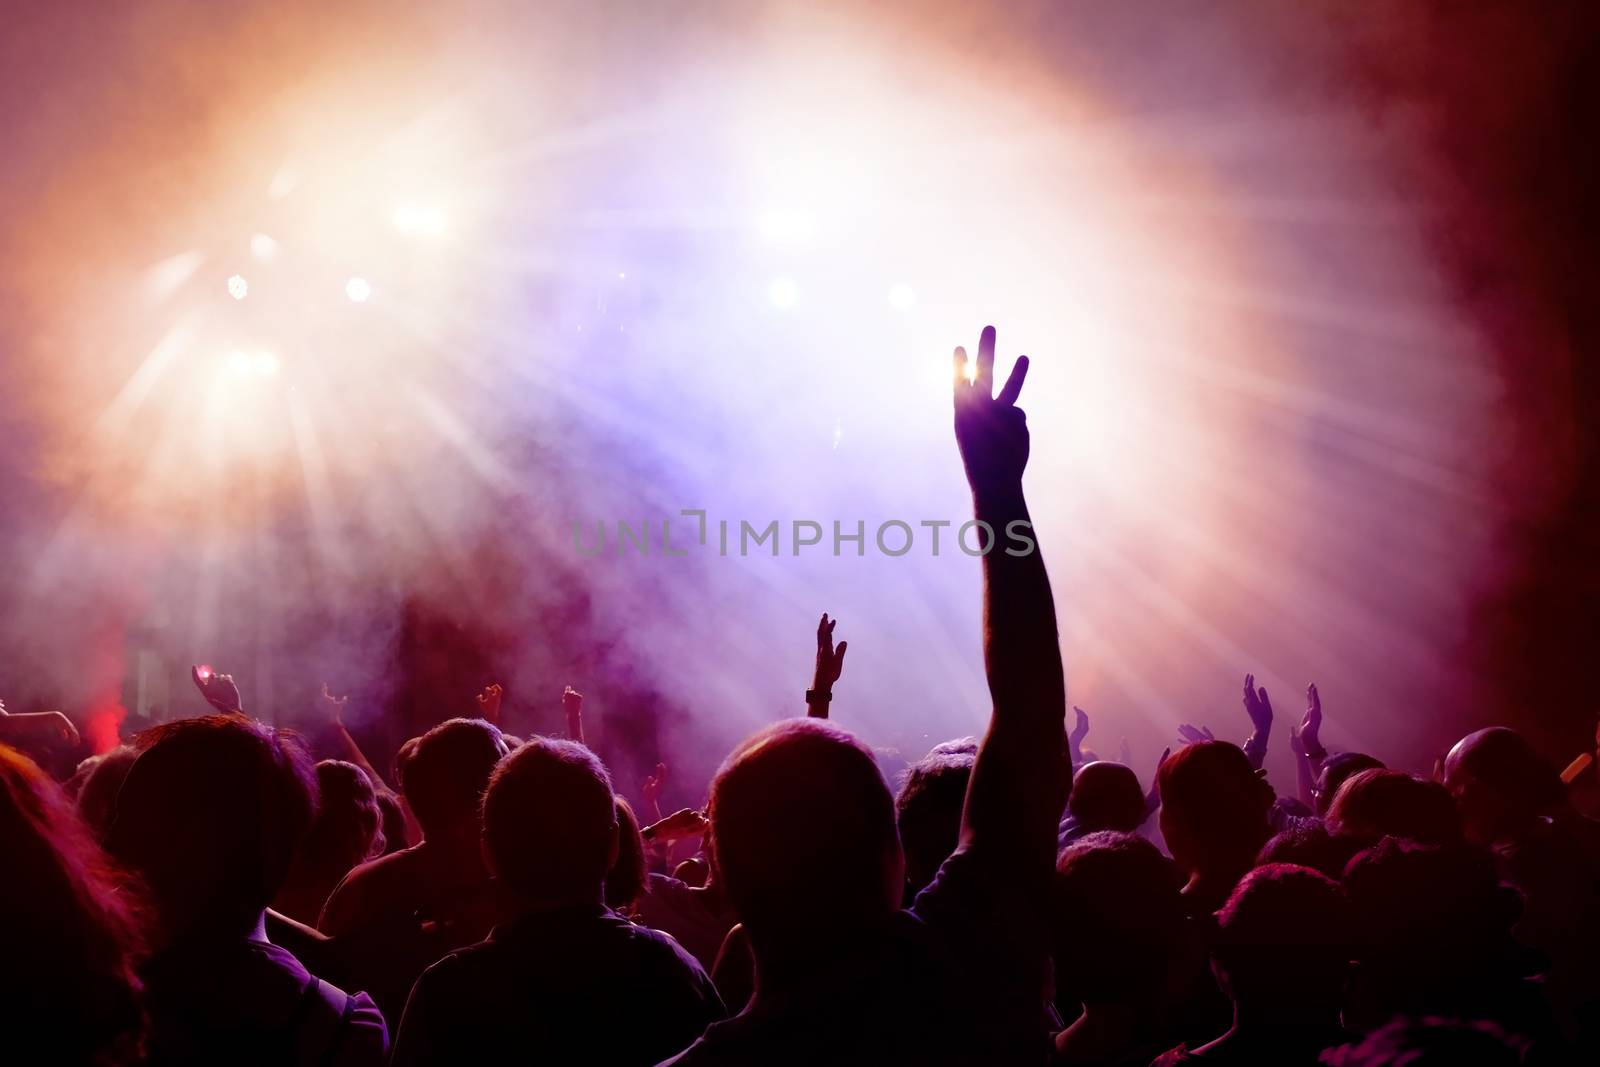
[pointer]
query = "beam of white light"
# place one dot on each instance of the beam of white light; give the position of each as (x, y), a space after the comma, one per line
(358, 290)
(238, 288)
(783, 293)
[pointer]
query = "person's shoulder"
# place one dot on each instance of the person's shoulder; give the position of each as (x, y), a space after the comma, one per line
(1173, 1057)
(394, 865)
(649, 940)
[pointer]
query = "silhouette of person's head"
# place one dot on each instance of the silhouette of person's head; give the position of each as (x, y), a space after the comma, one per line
(1372, 805)
(625, 879)
(928, 812)
(550, 824)
(1335, 769)
(1213, 810)
(444, 775)
(102, 780)
(1309, 844)
(803, 836)
(1284, 943)
(1435, 922)
(349, 825)
(210, 815)
(71, 939)
(1500, 783)
(1106, 796)
(1117, 918)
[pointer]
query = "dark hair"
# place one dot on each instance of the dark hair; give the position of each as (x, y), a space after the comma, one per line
(1308, 844)
(1117, 917)
(1338, 767)
(1372, 805)
(550, 822)
(210, 815)
(625, 879)
(394, 820)
(1106, 796)
(444, 774)
(1286, 931)
(1431, 1042)
(928, 811)
(347, 829)
(71, 939)
(101, 781)
(1213, 805)
(802, 826)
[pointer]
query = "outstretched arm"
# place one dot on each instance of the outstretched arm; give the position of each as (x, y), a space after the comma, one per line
(1259, 708)
(333, 707)
(1023, 770)
(830, 664)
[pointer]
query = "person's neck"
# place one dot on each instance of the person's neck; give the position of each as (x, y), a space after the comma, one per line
(458, 845)
(800, 964)
(1289, 1018)
(526, 907)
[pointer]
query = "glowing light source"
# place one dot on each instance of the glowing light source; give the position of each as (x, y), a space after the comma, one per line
(238, 288)
(263, 247)
(425, 219)
(902, 297)
(786, 226)
(358, 289)
(783, 293)
(239, 362)
(265, 364)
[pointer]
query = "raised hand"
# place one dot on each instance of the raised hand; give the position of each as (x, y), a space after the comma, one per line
(1311, 723)
(38, 730)
(651, 790)
(572, 705)
(1259, 708)
(333, 706)
(830, 664)
(830, 659)
(1256, 704)
(991, 430)
(218, 689)
(1192, 734)
(489, 702)
(686, 822)
(1080, 726)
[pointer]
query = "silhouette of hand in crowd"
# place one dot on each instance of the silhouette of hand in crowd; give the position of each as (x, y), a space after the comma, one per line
(333, 706)
(1191, 734)
(218, 689)
(681, 824)
(830, 659)
(1256, 704)
(651, 790)
(1311, 723)
(46, 729)
(991, 431)
(489, 702)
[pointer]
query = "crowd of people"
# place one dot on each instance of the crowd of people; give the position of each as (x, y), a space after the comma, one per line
(207, 894)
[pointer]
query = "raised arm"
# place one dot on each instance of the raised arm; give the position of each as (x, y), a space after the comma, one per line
(572, 707)
(830, 664)
(1023, 770)
(1259, 708)
(333, 707)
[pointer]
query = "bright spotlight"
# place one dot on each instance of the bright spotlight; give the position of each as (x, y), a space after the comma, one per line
(265, 364)
(263, 247)
(902, 297)
(358, 289)
(783, 293)
(425, 219)
(238, 288)
(239, 362)
(785, 226)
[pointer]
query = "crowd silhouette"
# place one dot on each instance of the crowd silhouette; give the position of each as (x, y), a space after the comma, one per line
(208, 894)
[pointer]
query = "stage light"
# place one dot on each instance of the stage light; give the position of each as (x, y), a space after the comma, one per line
(783, 293)
(238, 288)
(358, 289)
(239, 362)
(265, 364)
(902, 297)
(263, 247)
(425, 219)
(786, 226)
